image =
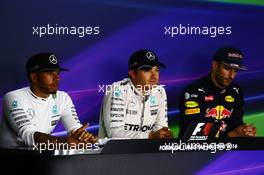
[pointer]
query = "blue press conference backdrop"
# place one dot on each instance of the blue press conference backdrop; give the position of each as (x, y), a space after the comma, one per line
(114, 30)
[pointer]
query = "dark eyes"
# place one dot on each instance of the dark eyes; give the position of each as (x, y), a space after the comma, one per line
(229, 68)
(148, 70)
(53, 72)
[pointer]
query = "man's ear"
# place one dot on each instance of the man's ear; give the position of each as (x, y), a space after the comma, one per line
(214, 65)
(33, 77)
(132, 74)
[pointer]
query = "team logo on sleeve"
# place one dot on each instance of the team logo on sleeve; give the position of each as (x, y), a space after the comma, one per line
(117, 92)
(14, 104)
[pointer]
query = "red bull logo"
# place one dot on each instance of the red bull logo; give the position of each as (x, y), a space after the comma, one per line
(219, 112)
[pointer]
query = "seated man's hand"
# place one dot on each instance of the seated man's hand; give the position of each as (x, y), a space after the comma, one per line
(161, 134)
(81, 136)
(243, 130)
(249, 130)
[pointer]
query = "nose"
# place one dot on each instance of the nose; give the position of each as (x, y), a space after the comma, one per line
(232, 73)
(56, 75)
(154, 73)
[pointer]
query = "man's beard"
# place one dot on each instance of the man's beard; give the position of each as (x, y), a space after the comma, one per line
(50, 89)
(221, 80)
(53, 89)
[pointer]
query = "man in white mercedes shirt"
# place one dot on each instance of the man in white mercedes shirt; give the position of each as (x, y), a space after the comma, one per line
(136, 107)
(30, 114)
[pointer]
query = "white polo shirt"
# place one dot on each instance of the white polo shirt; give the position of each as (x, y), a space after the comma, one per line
(127, 113)
(24, 113)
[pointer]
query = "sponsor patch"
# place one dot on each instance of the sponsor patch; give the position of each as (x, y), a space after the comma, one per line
(187, 95)
(133, 127)
(116, 115)
(117, 99)
(117, 104)
(20, 117)
(54, 116)
(194, 95)
(54, 122)
(191, 104)
(236, 89)
(131, 112)
(229, 98)
(235, 55)
(117, 109)
(209, 98)
(118, 121)
(14, 110)
(192, 111)
(21, 123)
(154, 112)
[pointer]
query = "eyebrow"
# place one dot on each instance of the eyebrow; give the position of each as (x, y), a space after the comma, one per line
(228, 67)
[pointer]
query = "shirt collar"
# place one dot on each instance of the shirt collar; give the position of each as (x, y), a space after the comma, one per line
(38, 98)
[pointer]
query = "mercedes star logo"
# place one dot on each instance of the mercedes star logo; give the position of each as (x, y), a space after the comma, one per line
(53, 59)
(150, 55)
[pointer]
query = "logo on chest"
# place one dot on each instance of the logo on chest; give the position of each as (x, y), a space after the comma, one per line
(218, 112)
(152, 100)
(30, 113)
(132, 103)
(229, 99)
(209, 98)
(55, 110)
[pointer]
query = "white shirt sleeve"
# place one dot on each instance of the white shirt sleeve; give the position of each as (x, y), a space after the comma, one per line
(113, 114)
(162, 118)
(69, 115)
(15, 113)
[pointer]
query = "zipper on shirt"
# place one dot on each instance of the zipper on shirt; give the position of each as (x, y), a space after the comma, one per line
(143, 111)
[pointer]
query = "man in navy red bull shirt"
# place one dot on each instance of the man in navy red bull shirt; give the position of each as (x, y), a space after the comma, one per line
(215, 98)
